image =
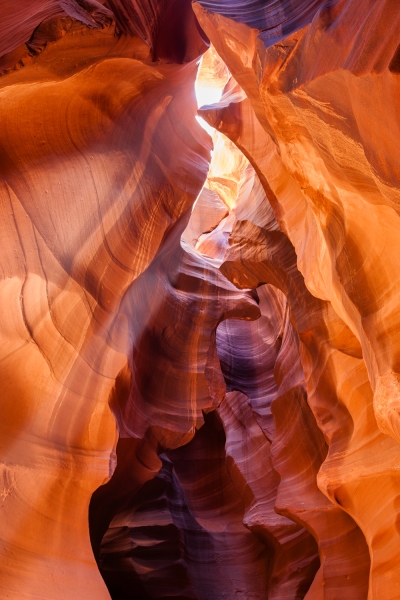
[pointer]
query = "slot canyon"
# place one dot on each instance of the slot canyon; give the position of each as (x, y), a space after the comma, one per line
(200, 300)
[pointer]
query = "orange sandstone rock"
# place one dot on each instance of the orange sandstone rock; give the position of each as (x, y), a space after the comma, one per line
(199, 370)
(89, 190)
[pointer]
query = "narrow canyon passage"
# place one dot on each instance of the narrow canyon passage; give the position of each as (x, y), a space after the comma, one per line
(199, 290)
(205, 526)
(244, 530)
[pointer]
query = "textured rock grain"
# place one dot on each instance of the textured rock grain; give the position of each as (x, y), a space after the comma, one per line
(199, 350)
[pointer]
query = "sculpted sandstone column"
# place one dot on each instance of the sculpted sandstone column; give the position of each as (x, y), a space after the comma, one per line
(319, 126)
(100, 156)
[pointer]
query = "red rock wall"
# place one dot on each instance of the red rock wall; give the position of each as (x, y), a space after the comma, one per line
(199, 372)
(316, 102)
(101, 157)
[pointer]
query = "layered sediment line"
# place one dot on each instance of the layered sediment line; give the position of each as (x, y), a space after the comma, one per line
(200, 330)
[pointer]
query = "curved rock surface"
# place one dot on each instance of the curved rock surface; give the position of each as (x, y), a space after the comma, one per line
(199, 358)
(330, 183)
(89, 192)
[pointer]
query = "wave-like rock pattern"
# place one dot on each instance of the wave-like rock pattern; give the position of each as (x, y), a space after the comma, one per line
(207, 364)
(89, 192)
(275, 382)
(327, 179)
(274, 20)
(169, 28)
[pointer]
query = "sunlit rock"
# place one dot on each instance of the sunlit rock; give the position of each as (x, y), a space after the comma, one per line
(199, 289)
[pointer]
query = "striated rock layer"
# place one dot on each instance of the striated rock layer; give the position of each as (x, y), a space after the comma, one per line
(90, 190)
(200, 388)
(329, 172)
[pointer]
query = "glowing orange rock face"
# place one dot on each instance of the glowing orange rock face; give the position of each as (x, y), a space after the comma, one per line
(100, 157)
(316, 129)
(219, 351)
